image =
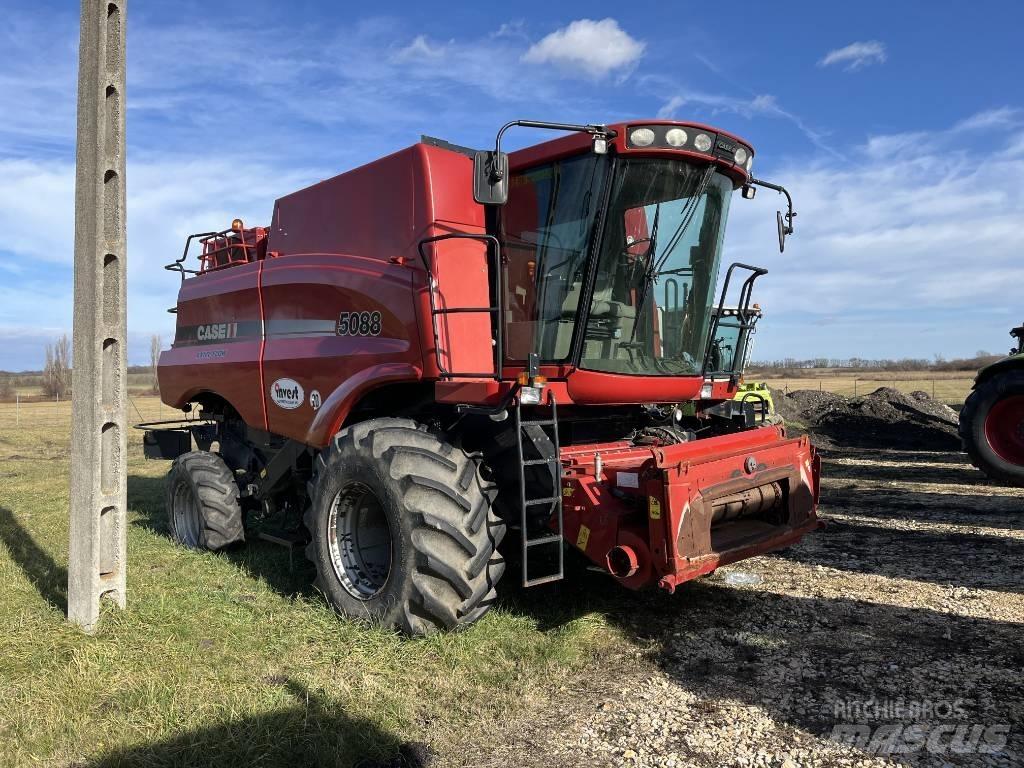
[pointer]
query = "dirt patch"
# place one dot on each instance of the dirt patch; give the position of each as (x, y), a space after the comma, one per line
(903, 616)
(885, 418)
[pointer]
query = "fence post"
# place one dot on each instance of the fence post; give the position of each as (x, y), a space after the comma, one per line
(96, 562)
(17, 409)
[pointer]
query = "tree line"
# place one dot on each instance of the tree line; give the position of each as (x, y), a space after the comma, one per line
(937, 363)
(55, 379)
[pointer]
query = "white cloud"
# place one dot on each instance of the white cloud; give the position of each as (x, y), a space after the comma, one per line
(1002, 117)
(914, 233)
(592, 48)
(856, 55)
(763, 104)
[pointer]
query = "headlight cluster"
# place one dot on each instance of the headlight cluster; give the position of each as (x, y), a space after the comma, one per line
(677, 137)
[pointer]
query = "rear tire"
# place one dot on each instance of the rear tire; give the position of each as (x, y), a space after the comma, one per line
(202, 502)
(403, 534)
(992, 427)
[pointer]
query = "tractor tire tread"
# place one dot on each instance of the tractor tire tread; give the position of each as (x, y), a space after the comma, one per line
(972, 416)
(445, 501)
(216, 491)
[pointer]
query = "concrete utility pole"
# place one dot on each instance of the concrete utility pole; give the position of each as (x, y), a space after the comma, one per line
(97, 564)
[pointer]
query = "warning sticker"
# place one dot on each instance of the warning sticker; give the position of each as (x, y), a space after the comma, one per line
(654, 508)
(582, 538)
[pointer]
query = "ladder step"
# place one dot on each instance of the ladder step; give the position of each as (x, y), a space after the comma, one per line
(548, 500)
(544, 540)
(534, 462)
(542, 580)
(541, 423)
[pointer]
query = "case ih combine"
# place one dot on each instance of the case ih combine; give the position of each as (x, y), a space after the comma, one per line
(992, 419)
(445, 357)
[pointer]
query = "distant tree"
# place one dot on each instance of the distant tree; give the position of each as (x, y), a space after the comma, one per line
(6, 388)
(57, 371)
(155, 345)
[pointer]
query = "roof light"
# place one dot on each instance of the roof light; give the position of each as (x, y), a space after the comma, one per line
(676, 137)
(642, 137)
(237, 225)
(702, 142)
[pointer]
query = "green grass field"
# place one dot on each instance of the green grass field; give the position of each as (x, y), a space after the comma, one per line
(232, 659)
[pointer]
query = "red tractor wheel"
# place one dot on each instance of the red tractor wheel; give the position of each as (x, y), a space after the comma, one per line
(992, 426)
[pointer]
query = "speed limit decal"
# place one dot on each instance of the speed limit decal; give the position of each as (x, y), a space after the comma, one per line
(359, 324)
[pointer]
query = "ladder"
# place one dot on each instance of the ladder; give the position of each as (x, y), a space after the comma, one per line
(526, 502)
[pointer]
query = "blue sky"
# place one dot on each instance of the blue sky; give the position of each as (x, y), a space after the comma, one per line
(899, 127)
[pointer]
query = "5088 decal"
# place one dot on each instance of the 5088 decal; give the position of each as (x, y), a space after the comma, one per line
(359, 324)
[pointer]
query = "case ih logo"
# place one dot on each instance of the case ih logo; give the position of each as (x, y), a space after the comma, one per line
(287, 394)
(217, 331)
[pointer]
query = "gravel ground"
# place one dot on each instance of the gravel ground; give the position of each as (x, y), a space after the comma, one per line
(903, 617)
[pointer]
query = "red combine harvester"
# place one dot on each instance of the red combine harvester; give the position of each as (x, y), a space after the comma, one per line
(423, 353)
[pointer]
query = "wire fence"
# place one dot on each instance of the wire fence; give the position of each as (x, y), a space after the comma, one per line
(56, 414)
(952, 391)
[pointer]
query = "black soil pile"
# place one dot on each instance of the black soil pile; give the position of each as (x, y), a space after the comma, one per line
(886, 418)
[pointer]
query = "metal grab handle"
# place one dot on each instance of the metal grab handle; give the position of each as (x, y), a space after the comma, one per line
(494, 310)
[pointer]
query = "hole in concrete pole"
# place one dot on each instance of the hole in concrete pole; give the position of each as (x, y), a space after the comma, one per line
(111, 207)
(110, 373)
(113, 38)
(112, 103)
(111, 291)
(108, 541)
(110, 457)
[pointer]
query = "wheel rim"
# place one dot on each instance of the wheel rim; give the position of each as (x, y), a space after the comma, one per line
(1004, 429)
(360, 541)
(186, 515)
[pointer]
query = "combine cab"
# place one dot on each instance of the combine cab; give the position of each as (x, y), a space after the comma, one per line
(992, 419)
(448, 358)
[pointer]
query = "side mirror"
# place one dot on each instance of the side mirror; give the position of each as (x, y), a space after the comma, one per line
(782, 232)
(490, 177)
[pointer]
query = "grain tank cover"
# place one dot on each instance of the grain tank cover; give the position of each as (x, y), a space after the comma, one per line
(380, 210)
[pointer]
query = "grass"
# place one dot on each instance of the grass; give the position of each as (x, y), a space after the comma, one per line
(232, 659)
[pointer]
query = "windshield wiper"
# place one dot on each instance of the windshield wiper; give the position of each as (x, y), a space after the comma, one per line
(654, 265)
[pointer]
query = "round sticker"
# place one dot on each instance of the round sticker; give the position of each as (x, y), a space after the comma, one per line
(287, 394)
(314, 400)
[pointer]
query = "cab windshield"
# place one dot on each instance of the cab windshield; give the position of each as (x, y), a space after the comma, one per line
(655, 270)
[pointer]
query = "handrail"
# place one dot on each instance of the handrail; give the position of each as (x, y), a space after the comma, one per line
(494, 310)
(742, 312)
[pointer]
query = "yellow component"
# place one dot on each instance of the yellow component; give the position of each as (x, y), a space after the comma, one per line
(263, 473)
(237, 225)
(654, 508)
(582, 538)
(567, 490)
(755, 390)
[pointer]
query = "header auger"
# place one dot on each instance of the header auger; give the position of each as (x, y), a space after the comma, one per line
(447, 357)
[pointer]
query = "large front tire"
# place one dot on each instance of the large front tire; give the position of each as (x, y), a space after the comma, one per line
(992, 426)
(403, 534)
